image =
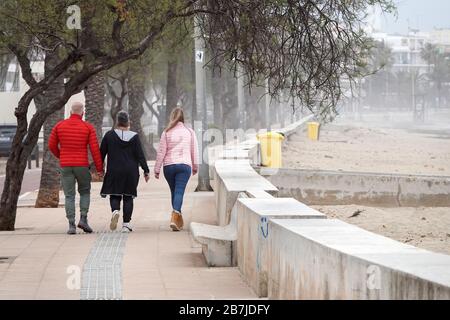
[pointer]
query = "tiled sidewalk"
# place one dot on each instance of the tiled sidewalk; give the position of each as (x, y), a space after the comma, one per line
(45, 263)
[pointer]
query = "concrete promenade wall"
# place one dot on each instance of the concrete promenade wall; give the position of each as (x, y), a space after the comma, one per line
(232, 177)
(253, 215)
(286, 250)
(244, 150)
(330, 259)
(340, 188)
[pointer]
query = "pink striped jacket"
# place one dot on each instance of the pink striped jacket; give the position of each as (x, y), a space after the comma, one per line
(178, 145)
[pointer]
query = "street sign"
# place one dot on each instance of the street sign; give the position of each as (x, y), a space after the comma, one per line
(199, 55)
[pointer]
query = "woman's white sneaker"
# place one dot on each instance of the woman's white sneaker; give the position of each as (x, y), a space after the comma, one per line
(114, 220)
(126, 228)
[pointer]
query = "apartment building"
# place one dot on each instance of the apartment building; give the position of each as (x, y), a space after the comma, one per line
(406, 50)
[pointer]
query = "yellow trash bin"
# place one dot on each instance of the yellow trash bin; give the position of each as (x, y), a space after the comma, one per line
(270, 143)
(313, 130)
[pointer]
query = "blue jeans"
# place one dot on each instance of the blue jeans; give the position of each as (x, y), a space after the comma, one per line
(177, 176)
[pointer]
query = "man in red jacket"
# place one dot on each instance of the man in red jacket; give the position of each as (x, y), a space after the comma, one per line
(68, 141)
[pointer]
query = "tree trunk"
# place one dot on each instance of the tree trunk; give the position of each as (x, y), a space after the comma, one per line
(95, 102)
(95, 108)
(171, 89)
(136, 108)
(119, 99)
(111, 101)
(15, 166)
(154, 112)
(115, 110)
(15, 170)
(48, 196)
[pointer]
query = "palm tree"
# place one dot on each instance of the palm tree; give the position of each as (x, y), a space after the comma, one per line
(171, 87)
(137, 83)
(156, 110)
(48, 196)
(379, 68)
(118, 84)
(95, 107)
(439, 70)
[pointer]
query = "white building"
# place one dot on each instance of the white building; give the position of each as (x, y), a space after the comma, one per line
(441, 38)
(15, 87)
(406, 50)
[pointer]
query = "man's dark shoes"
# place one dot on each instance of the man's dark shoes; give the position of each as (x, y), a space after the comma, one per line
(83, 224)
(72, 228)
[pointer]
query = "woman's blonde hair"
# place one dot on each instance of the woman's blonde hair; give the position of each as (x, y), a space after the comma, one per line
(177, 115)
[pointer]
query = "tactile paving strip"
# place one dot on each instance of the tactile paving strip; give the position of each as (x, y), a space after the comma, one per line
(101, 278)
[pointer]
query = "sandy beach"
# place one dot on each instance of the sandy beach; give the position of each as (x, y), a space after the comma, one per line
(379, 146)
(362, 148)
(427, 228)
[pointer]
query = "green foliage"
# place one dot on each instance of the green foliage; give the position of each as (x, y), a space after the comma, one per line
(306, 48)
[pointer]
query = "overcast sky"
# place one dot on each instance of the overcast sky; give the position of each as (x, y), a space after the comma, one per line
(421, 14)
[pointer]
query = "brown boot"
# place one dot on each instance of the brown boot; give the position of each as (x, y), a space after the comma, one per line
(177, 221)
(173, 224)
(180, 219)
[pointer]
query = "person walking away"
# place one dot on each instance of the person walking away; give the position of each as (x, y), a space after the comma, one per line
(69, 142)
(124, 151)
(178, 154)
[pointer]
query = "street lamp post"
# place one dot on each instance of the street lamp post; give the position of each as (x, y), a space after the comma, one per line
(200, 93)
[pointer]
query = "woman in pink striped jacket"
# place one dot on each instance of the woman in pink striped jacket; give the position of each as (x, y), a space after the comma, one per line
(178, 154)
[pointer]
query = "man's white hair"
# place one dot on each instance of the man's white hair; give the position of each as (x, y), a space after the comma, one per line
(77, 108)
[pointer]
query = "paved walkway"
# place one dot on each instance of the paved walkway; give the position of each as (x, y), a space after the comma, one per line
(39, 261)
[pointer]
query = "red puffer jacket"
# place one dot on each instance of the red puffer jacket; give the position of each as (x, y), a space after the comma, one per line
(73, 136)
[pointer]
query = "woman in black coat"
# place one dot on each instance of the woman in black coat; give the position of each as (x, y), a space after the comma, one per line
(125, 155)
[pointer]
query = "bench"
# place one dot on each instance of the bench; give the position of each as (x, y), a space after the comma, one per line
(218, 242)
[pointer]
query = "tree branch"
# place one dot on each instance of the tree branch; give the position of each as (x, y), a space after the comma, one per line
(25, 64)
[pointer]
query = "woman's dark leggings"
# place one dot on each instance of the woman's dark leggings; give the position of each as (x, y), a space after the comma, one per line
(127, 206)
